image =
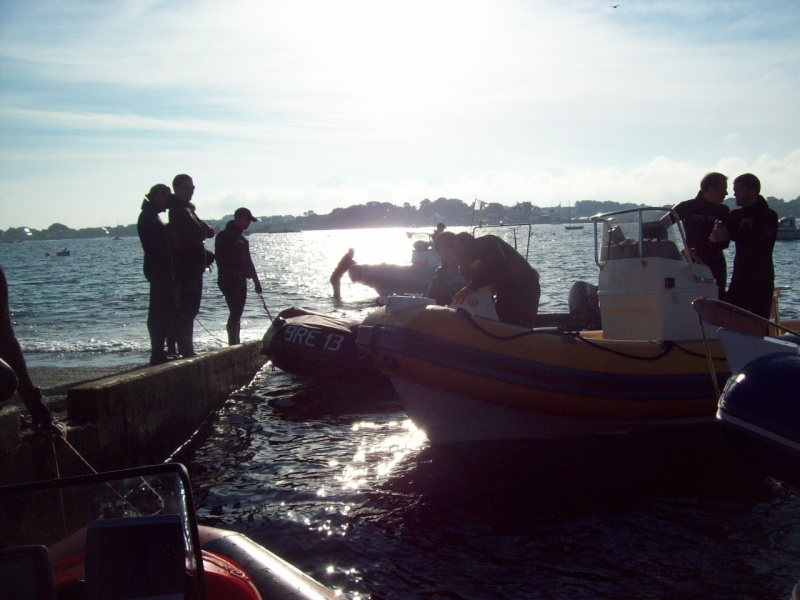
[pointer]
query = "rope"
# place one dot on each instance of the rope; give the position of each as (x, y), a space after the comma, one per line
(666, 346)
(209, 333)
(60, 433)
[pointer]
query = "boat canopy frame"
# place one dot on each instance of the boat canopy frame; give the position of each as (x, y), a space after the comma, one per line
(653, 232)
(513, 228)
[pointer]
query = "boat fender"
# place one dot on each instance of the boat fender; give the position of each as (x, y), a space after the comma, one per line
(274, 578)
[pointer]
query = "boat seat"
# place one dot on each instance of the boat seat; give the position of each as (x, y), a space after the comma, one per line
(25, 573)
(138, 557)
(661, 249)
(627, 249)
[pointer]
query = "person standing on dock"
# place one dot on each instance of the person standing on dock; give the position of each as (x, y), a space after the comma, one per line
(158, 271)
(753, 228)
(488, 260)
(186, 233)
(698, 216)
(234, 267)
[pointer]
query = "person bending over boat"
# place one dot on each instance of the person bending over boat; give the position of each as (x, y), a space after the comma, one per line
(234, 268)
(488, 260)
(698, 216)
(186, 232)
(753, 228)
(158, 271)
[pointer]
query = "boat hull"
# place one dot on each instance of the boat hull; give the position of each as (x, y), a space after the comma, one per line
(465, 378)
(759, 410)
(318, 346)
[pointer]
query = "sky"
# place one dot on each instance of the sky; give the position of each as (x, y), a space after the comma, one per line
(309, 105)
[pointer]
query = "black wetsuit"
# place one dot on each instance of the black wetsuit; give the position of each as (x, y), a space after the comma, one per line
(159, 272)
(698, 216)
(186, 234)
(490, 260)
(753, 229)
(235, 267)
(11, 353)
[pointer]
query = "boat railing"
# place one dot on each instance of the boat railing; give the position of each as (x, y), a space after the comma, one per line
(652, 239)
(509, 227)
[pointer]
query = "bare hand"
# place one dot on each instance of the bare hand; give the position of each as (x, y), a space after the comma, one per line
(462, 294)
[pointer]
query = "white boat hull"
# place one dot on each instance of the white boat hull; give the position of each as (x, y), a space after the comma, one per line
(445, 417)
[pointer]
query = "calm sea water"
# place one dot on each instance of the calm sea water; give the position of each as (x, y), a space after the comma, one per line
(340, 483)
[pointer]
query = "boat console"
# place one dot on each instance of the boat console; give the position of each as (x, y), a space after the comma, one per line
(647, 280)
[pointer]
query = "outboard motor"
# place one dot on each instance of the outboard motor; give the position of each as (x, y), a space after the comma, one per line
(584, 308)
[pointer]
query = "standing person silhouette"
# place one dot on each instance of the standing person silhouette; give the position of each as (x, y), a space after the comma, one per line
(158, 271)
(186, 233)
(234, 268)
(698, 216)
(753, 228)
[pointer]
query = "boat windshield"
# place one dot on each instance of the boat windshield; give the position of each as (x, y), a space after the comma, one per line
(638, 233)
(60, 530)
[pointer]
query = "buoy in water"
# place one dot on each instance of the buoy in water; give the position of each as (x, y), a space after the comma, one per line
(47, 254)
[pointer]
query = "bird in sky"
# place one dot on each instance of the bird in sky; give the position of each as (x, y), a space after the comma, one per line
(615, 6)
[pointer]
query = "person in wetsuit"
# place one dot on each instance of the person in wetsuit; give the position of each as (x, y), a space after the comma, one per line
(698, 216)
(488, 260)
(11, 353)
(753, 228)
(234, 268)
(157, 270)
(186, 233)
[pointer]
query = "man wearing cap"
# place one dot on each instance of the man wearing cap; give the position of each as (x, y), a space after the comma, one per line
(235, 267)
(439, 229)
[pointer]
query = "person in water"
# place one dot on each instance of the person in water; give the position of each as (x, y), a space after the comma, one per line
(186, 233)
(488, 260)
(158, 271)
(753, 228)
(698, 216)
(336, 277)
(234, 267)
(11, 353)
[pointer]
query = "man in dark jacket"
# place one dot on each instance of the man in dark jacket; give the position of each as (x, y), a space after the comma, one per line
(234, 268)
(698, 216)
(157, 270)
(488, 260)
(186, 234)
(753, 228)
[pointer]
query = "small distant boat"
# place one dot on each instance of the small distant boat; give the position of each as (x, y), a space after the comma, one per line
(63, 252)
(570, 224)
(787, 229)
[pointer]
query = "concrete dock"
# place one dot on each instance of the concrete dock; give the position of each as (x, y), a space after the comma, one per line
(134, 418)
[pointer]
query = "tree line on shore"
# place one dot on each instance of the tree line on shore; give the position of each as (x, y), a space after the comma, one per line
(452, 212)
